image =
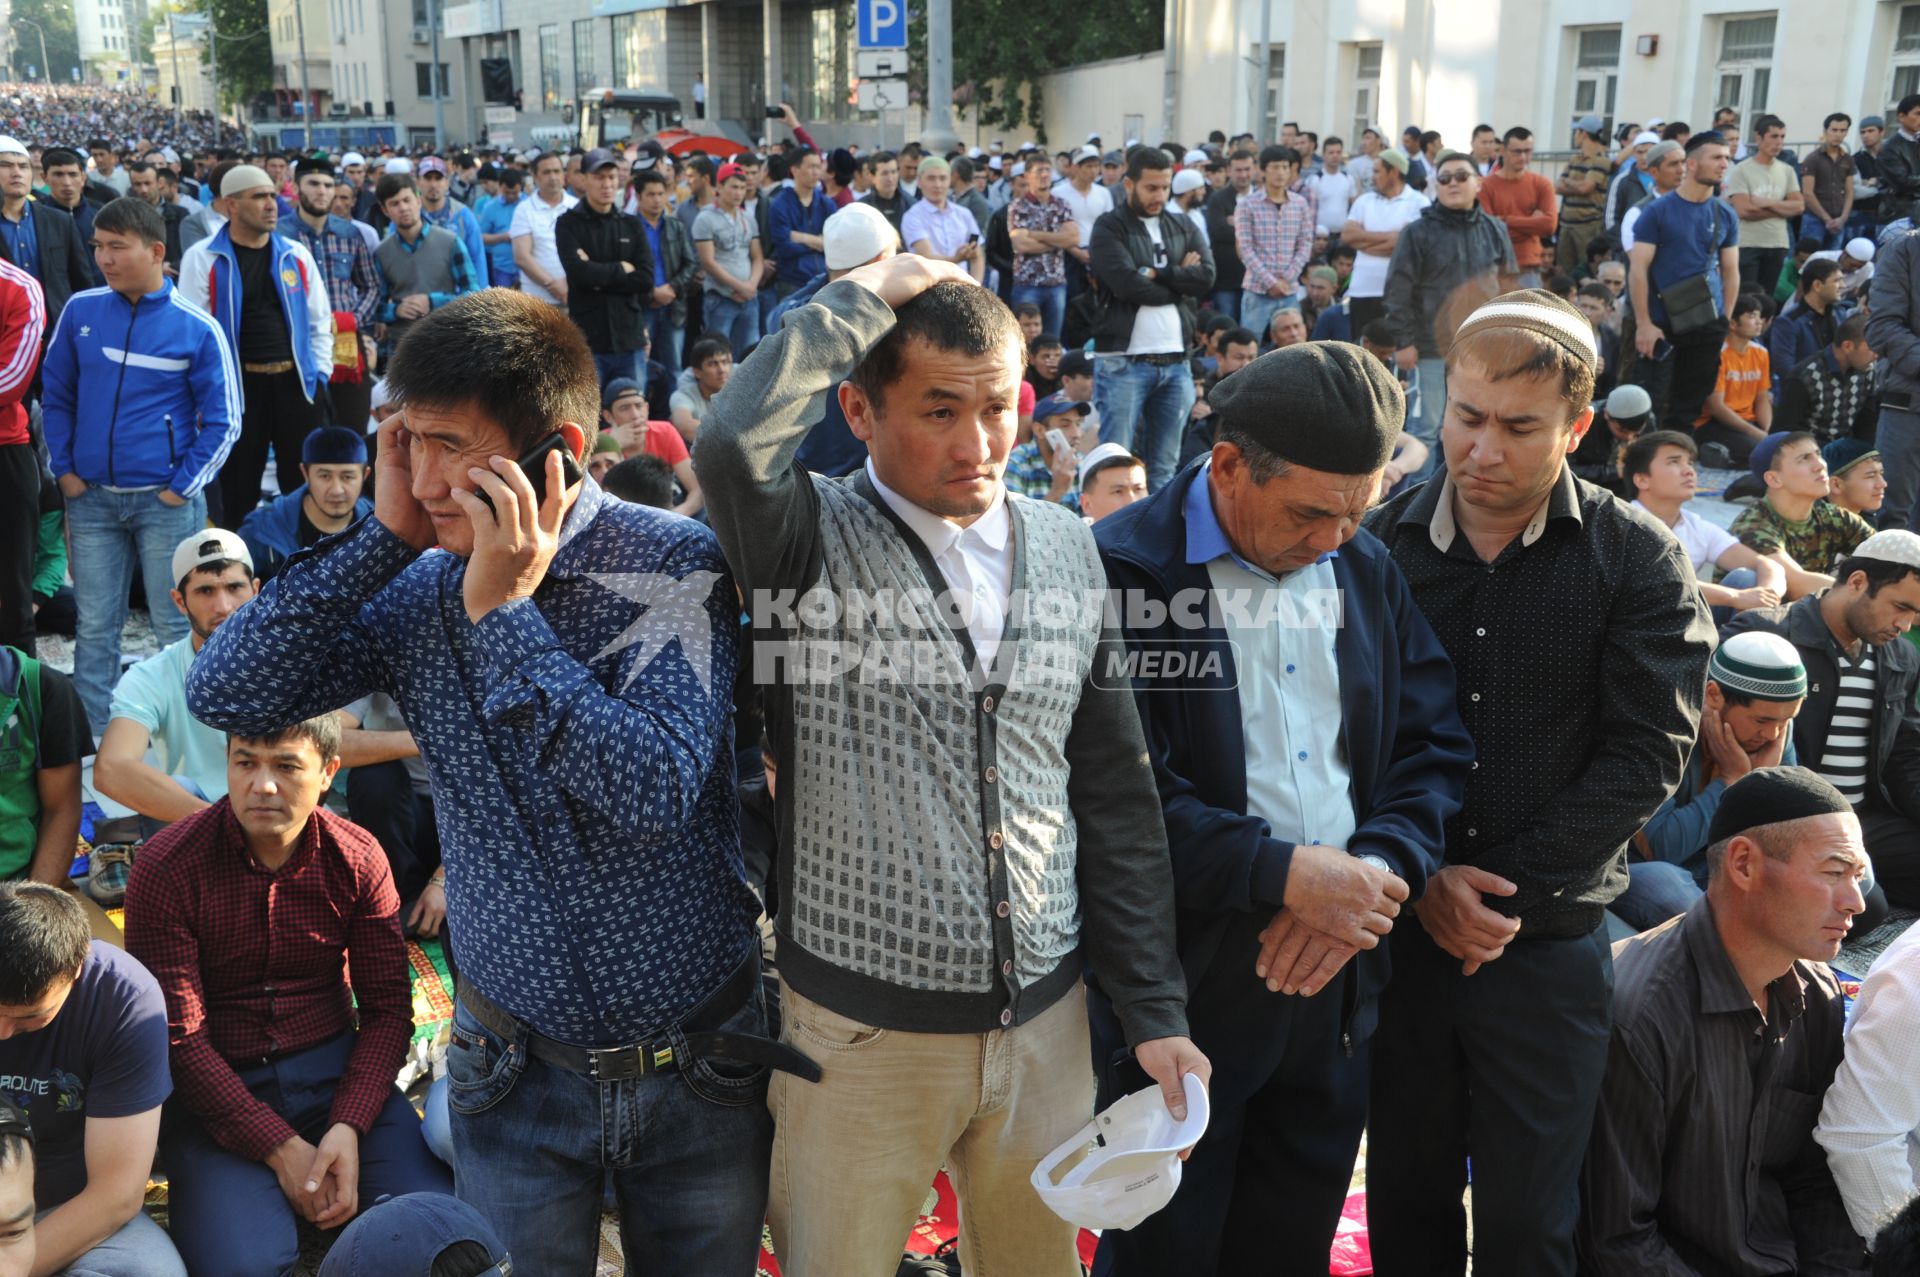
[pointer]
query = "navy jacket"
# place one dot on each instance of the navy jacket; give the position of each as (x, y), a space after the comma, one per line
(1404, 742)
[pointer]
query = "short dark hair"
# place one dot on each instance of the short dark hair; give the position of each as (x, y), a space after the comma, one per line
(391, 184)
(101, 144)
(1342, 250)
(949, 316)
(1853, 328)
(44, 938)
(462, 1259)
(1332, 141)
(1517, 134)
(1101, 467)
(1911, 102)
(1748, 304)
(1838, 117)
(1809, 244)
(1767, 124)
(1817, 271)
(649, 177)
(1563, 286)
(323, 730)
(61, 157)
(1428, 138)
(1043, 341)
(1879, 572)
(212, 567)
(1478, 129)
(875, 160)
(700, 164)
(555, 156)
(1598, 291)
(962, 169)
(1027, 308)
(131, 215)
(518, 360)
(1639, 455)
(643, 479)
(1142, 158)
(1278, 155)
(1242, 153)
(1378, 332)
(706, 348)
(16, 1134)
(1674, 130)
(1239, 337)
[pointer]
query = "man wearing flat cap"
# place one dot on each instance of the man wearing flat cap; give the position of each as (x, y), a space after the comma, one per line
(1726, 1033)
(1580, 644)
(1306, 771)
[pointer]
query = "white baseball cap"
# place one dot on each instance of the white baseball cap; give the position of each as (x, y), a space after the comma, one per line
(1648, 138)
(399, 164)
(1195, 158)
(352, 158)
(1086, 153)
(1131, 1162)
(211, 546)
(855, 235)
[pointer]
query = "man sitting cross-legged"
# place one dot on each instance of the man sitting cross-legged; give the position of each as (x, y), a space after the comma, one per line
(250, 914)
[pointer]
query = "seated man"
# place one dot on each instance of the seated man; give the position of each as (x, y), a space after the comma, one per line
(333, 462)
(709, 364)
(1831, 393)
(1859, 728)
(1660, 466)
(1111, 478)
(1626, 414)
(84, 1051)
(213, 576)
(642, 480)
(1739, 412)
(1856, 477)
(1039, 470)
(1870, 1122)
(623, 416)
(1794, 524)
(16, 1191)
(1238, 348)
(391, 797)
(1726, 1031)
(250, 914)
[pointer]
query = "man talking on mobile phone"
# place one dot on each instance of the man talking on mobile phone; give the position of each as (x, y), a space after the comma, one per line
(566, 668)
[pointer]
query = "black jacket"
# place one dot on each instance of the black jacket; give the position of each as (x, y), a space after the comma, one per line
(682, 263)
(1120, 249)
(999, 243)
(173, 215)
(893, 210)
(65, 263)
(1899, 177)
(1228, 270)
(606, 300)
(1893, 751)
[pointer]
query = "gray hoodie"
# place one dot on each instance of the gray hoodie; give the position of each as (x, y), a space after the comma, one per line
(1445, 263)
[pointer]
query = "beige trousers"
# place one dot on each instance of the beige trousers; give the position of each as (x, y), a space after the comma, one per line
(855, 1153)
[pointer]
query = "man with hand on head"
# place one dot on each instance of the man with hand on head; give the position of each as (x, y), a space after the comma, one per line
(565, 669)
(1726, 1032)
(941, 983)
(1558, 604)
(250, 914)
(1292, 853)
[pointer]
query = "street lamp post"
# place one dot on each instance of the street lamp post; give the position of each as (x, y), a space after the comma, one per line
(44, 68)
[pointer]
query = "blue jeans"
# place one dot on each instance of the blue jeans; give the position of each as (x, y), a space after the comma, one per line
(664, 341)
(140, 1249)
(738, 322)
(1050, 298)
(1898, 440)
(229, 1217)
(1656, 890)
(107, 532)
(1433, 411)
(1143, 407)
(1257, 310)
(1227, 302)
(628, 363)
(688, 1153)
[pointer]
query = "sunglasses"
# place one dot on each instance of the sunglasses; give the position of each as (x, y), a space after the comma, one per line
(1448, 179)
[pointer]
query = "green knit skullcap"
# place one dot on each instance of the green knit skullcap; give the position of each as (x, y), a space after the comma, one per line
(1763, 666)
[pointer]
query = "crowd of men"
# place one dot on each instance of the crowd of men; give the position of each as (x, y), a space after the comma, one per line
(1328, 697)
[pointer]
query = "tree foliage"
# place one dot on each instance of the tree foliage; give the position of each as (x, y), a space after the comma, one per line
(1002, 48)
(63, 43)
(244, 63)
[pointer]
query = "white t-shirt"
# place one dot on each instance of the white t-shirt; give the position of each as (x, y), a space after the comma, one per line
(1703, 541)
(1086, 208)
(534, 216)
(1375, 212)
(1334, 192)
(1156, 329)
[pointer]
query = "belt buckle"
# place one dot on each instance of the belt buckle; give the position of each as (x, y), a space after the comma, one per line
(625, 1063)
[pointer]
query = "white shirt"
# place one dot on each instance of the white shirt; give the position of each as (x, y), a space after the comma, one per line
(976, 561)
(1375, 212)
(1086, 208)
(1360, 169)
(535, 217)
(1703, 541)
(1156, 329)
(1198, 216)
(1332, 193)
(1868, 1123)
(945, 229)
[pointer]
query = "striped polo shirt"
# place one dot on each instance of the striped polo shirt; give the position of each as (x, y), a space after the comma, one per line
(1844, 762)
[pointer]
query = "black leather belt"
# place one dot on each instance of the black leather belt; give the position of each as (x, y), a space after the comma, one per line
(699, 1037)
(1163, 360)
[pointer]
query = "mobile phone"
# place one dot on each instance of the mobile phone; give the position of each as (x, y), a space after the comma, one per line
(974, 238)
(533, 464)
(1056, 441)
(774, 113)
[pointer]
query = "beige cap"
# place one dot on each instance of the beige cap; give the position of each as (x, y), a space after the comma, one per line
(245, 177)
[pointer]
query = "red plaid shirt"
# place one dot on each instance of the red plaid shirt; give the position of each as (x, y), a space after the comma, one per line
(1275, 240)
(254, 963)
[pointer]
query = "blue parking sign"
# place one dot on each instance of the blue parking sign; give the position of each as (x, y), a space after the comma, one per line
(882, 24)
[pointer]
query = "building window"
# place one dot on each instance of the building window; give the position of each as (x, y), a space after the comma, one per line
(583, 77)
(1596, 75)
(550, 67)
(1746, 65)
(419, 13)
(639, 50)
(1904, 65)
(1366, 93)
(421, 82)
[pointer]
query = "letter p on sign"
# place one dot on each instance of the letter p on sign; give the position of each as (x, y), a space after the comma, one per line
(883, 24)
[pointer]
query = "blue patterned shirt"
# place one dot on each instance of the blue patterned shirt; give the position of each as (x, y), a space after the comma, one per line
(582, 767)
(341, 252)
(1030, 476)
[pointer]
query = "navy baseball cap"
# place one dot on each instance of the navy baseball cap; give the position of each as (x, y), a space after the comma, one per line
(617, 387)
(403, 1236)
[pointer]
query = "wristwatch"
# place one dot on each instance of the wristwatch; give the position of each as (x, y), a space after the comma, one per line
(1378, 862)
